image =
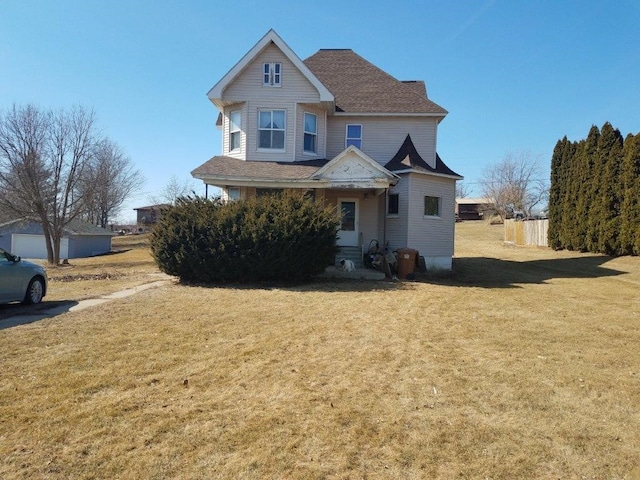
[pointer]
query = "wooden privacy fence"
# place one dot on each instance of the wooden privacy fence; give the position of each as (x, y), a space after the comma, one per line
(526, 233)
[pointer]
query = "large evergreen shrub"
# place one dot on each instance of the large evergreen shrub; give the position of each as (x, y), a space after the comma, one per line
(282, 238)
(594, 200)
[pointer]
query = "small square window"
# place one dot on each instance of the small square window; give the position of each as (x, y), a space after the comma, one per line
(234, 193)
(431, 206)
(393, 204)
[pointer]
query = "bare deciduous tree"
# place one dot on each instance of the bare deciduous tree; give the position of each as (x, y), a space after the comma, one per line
(43, 155)
(514, 184)
(462, 190)
(174, 190)
(109, 179)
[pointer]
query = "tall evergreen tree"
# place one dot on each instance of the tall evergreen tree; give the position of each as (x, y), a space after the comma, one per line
(608, 195)
(587, 180)
(557, 191)
(630, 206)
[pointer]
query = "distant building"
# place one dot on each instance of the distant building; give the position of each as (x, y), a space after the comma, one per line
(474, 208)
(148, 216)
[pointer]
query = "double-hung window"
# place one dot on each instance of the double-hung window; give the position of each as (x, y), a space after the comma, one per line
(235, 127)
(271, 128)
(310, 132)
(354, 136)
(271, 74)
(431, 206)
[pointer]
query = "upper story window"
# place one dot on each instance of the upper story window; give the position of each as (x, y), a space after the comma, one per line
(271, 128)
(431, 206)
(271, 74)
(354, 136)
(310, 132)
(235, 127)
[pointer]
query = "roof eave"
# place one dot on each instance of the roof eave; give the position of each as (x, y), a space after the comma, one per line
(435, 174)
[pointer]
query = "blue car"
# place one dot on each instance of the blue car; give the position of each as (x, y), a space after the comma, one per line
(21, 281)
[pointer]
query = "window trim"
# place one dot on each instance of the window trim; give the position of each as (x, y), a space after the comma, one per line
(283, 130)
(439, 206)
(305, 133)
(237, 131)
(397, 212)
(272, 74)
(347, 138)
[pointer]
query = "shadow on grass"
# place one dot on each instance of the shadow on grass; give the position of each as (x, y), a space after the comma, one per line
(496, 273)
(314, 285)
(14, 314)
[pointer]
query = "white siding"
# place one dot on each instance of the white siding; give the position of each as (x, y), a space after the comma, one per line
(226, 131)
(295, 88)
(321, 139)
(383, 136)
(432, 236)
(397, 225)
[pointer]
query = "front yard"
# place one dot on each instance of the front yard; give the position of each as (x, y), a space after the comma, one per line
(522, 364)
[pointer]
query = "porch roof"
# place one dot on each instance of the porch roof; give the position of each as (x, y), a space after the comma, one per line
(229, 167)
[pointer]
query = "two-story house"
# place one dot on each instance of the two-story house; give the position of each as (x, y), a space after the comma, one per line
(346, 132)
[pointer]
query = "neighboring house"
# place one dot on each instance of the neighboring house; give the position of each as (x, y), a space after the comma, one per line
(147, 216)
(474, 208)
(340, 128)
(25, 238)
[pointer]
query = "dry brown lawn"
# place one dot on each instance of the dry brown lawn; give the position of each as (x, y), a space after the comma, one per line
(523, 363)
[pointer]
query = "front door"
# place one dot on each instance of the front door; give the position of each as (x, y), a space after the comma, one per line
(348, 233)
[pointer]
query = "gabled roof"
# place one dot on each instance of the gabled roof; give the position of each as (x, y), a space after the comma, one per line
(216, 92)
(361, 87)
(408, 159)
(74, 227)
(367, 165)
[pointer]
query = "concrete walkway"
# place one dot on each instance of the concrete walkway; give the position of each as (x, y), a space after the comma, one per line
(77, 306)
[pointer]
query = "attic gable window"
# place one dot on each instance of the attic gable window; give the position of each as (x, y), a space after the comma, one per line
(271, 74)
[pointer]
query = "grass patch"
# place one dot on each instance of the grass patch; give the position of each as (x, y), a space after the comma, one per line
(522, 364)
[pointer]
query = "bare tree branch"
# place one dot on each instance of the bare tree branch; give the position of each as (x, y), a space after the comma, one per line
(514, 184)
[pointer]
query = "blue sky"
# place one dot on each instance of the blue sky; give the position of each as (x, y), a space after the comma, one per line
(515, 75)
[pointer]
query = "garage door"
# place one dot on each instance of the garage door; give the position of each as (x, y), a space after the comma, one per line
(33, 246)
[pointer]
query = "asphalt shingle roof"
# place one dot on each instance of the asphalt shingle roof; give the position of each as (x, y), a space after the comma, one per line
(224, 166)
(409, 158)
(360, 87)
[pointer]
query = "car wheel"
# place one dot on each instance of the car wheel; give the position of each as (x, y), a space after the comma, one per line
(34, 291)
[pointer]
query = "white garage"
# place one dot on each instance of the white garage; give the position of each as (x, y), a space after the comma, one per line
(34, 246)
(25, 237)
